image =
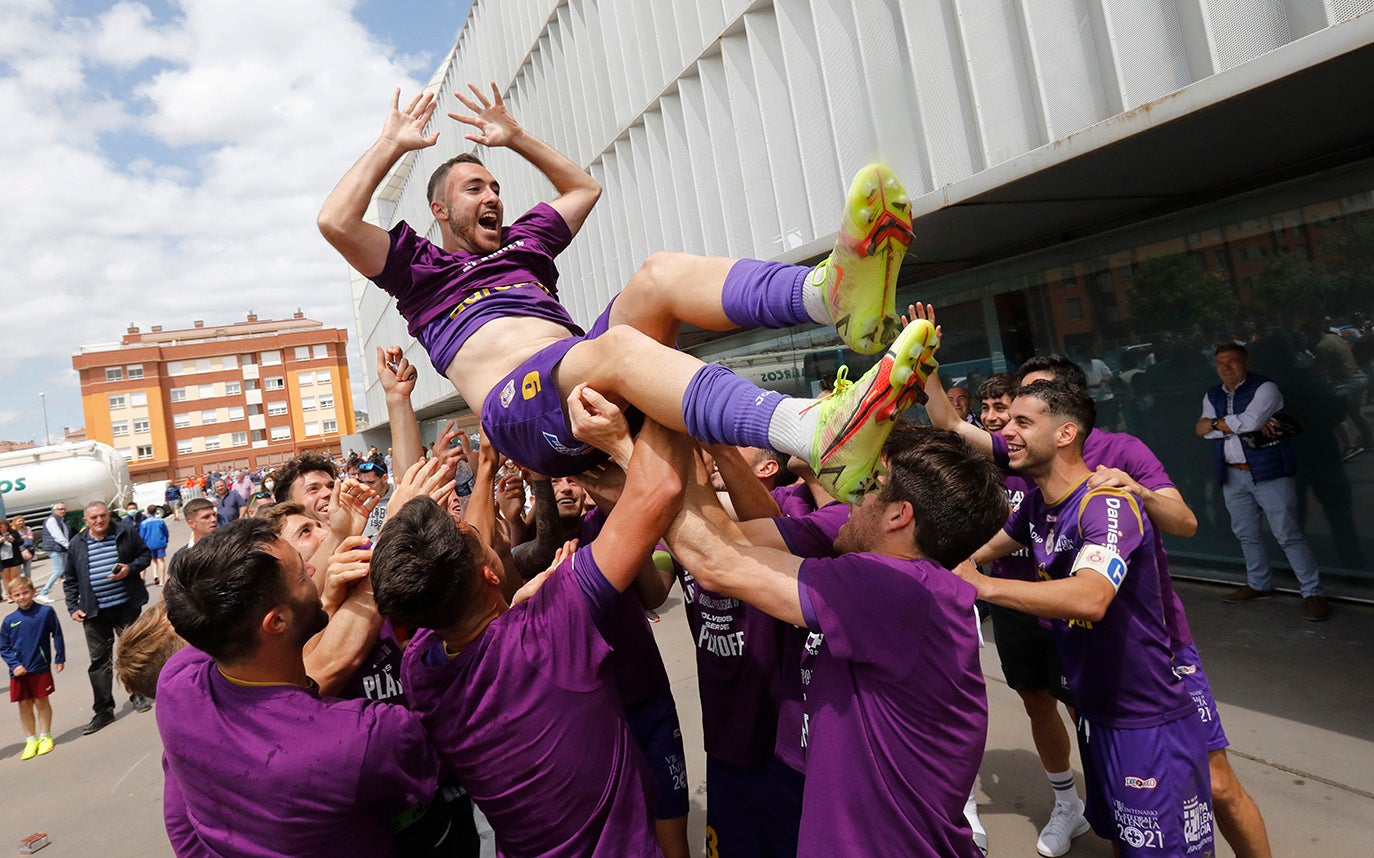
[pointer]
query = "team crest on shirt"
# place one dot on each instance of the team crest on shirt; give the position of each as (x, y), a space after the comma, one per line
(508, 393)
(813, 643)
(1197, 820)
(564, 448)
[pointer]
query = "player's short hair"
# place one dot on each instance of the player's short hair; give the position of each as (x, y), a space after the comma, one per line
(425, 568)
(219, 589)
(19, 583)
(306, 463)
(195, 505)
(143, 648)
(277, 514)
(999, 385)
(1058, 365)
(1066, 401)
(957, 496)
(436, 179)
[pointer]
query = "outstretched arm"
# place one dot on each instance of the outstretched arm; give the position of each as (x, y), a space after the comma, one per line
(364, 245)
(942, 414)
(654, 479)
(398, 382)
(577, 190)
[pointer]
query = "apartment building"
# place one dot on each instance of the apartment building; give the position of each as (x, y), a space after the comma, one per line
(216, 397)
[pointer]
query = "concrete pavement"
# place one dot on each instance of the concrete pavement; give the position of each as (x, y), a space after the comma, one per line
(1296, 699)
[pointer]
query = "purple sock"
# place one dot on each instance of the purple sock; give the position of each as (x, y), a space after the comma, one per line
(765, 294)
(719, 407)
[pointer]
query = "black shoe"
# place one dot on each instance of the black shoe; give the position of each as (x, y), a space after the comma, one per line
(98, 723)
(141, 703)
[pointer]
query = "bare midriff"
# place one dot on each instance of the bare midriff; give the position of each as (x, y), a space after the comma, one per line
(494, 350)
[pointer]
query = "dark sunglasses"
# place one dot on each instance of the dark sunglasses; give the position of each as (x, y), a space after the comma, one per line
(261, 495)
(371, 468)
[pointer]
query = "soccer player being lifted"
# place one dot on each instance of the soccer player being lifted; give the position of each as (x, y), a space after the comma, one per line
(484, 305)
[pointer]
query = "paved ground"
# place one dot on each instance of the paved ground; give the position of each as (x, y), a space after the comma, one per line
(1295, 697)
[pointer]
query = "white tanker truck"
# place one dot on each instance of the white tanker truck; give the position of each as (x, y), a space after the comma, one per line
(34, 479)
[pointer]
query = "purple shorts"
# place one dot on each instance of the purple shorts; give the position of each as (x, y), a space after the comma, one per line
(1188, 667)
(753, 812)
(523, 414)
(656, 731)
(1149, 789)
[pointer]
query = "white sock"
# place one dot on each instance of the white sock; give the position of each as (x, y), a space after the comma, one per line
(1064, 790)
(813, 296)
(971, 813)
(793, 425)
(47, 735)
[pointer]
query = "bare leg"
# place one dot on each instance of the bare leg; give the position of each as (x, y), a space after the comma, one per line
(1048, 732)
(1237, 815)
(26, 717)
(43, 708)
(672, 837)
(625, 365)
(672, 288)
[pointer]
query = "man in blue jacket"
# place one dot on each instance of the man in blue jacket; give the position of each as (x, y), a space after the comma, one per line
(105, 593)
(1257, 479)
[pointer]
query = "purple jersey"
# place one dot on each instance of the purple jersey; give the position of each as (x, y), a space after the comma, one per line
(276, 770)
(527, 720)
(737, 665)
(1020, 565)
(636, 664)
(1134, 630)
(794, 500)
(379, 678)
(896, 710)
(518, 279)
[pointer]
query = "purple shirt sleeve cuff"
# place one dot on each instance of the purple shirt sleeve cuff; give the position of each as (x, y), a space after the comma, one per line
(807, 606)
(592, 581)
(1000, 456)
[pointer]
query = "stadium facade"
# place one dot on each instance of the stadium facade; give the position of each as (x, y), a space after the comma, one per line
(1131, 181)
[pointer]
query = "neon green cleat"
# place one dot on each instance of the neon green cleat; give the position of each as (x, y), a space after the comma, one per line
(44, 745)
(30, 749)
(856, 419)
(858, 281)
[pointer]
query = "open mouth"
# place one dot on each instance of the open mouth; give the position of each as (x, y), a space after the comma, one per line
(489, 220)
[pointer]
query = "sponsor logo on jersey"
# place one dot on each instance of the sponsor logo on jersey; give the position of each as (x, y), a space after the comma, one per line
(508, 393)
(564, 448)
(1141, 783)
(1182, 670)
(1116, 571)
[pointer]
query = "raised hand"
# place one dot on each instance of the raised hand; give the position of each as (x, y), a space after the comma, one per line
(347, 566)
(349, 507)
(598, 421)
(494, 123)
(532, 586)
(396, 374)
(406, 128)
(428, 477)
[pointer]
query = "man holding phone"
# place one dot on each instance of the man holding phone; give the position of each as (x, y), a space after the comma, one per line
(104, 585)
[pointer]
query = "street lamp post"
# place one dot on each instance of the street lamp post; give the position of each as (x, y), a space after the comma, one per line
(47, 436)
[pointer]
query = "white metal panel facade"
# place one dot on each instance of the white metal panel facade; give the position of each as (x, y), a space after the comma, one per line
(729, 127)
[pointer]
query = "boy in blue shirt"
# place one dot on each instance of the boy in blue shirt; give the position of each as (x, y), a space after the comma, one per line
(31, 645)
(155, 536)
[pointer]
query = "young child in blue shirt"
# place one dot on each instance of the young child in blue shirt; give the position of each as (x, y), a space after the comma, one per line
(31, 645)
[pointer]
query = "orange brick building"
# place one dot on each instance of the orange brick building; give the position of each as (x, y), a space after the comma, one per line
(242, 395)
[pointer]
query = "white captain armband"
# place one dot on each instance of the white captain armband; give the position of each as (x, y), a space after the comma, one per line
(1102, 560)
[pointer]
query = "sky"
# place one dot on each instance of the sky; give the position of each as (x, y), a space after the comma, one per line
(164, 161)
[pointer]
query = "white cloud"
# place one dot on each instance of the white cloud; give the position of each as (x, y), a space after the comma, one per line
(276, 98)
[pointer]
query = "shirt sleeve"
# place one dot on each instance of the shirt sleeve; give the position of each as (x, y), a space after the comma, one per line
(544, 226)
(1208, 412)
(813, 535)
(1144, 466)
(870, 623)
(1266, 402)
(182, 835)
(7, 650)
(396, 278)
(1018, 523)
(1112, 518)
(562, 632)
(399, 765)
(1001, 457)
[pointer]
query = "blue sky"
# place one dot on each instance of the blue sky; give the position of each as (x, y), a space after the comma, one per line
(166, 159)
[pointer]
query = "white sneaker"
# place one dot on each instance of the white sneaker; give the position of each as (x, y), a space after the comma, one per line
(43, 600)
(980, 839)
(1066, 823)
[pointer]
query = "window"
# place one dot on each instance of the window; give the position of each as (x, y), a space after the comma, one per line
(322, 376)
(212, 442)
(271, 358)
(136, 371)
(119, 429)
(238, 439)
(229, 362)
(254, 410)
(257, 435)
(246, 360)
(321, 351)
(207, 417)
(138, 400)
(202, 364)
(277, 383)
(307, 403)
(302, 352)
(116, 401)
(276, 409)
(174, 367)
(127, 454)
(143, 451)
(205, 391)
(183, 447)
(181, 421)
(305, 378)
(250, 384)
(142, 425)
(312, 428)
(232, 388)
(114, 373)
(236, 412)
(179, 394)
(331, 426)
(327, 400)
(281, 433)
(1075, 309)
